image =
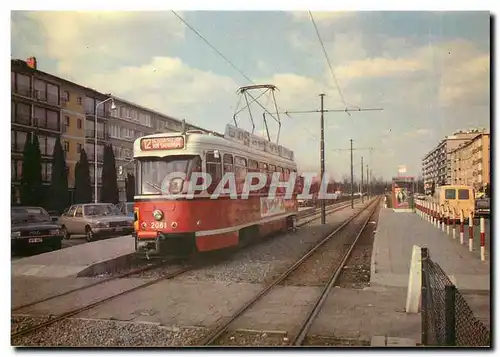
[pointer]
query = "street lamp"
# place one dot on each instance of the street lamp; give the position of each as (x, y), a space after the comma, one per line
(113, 107)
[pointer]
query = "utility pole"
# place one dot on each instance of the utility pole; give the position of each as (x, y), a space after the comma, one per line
(370, 178)
(368, 181)
(322, 153)
(322, 111)
(352, 181)
(361, 179)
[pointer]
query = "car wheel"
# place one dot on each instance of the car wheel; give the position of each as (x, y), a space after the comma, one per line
(89, 235)
(57, 245)
(65, 233)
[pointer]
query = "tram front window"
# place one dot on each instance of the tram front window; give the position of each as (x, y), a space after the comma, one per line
(163, 175)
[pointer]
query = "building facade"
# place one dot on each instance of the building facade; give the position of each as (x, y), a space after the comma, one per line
(471, 162)
(35, 107)
(437, 164)
(53, 107)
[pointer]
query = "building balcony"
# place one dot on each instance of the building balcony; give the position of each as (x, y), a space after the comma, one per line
(38, 123)
(101, 135)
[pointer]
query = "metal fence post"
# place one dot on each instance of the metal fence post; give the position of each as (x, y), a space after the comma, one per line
(423, 296)
(450, 315)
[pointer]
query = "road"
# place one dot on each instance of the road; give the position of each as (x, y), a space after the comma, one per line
(65, 244)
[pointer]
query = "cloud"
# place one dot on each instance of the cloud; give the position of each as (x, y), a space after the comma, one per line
(322, 16)
(417, 133)
(102, 39)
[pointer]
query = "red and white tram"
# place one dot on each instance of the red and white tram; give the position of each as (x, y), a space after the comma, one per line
(164, 223)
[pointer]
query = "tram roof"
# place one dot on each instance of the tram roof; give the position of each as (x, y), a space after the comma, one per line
(194, 139)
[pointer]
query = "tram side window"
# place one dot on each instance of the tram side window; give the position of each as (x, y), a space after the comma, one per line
(287, 174)
(213, 166)
(282, 175)
(253, 166)
(450, 194)
(240, 170)
(463, 194)
(263, 168)
(228, 163)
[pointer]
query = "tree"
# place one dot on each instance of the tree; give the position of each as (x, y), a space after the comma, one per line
(58, 197)
(433, 188)
(83, 187)
(130, 187)
(487, 191)
(109, 191)
(31, 180)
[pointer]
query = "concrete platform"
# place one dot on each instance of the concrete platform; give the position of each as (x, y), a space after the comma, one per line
(391, 257)
(398, 232)
(82, 260)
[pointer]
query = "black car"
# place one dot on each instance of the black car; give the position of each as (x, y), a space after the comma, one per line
(31, 228)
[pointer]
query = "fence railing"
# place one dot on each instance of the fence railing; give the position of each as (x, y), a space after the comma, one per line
(447, 319)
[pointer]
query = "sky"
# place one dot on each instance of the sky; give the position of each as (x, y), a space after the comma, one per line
(428, 71)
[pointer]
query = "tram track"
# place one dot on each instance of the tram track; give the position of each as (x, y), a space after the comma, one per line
(219, 331)
(128, 274)
(160, 264)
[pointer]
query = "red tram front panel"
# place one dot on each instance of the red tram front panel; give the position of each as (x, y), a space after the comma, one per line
(214, 222)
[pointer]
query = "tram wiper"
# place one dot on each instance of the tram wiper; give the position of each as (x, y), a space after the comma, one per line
(156, 187)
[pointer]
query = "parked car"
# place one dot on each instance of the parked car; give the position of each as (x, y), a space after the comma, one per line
(95, 220)
(127, 208)
(482, 207)
(32, 227)
(54, 216)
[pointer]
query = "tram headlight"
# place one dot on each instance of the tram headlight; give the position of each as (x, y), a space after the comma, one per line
(175, 186)
(158, 214)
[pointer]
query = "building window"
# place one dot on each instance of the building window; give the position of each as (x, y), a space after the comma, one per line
(47, 119)
(18, 139)
(78, 147)
(79, 101)
(22, 113)
(66, 146)
(23, 85)
(79, 123)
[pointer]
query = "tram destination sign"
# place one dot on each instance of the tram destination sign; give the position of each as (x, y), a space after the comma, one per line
(162, 143)
(256, 142)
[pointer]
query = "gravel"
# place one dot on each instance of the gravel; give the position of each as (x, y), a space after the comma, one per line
(318, 269)
(356, 273)
(106, 333)
(253, 339)
(262, 262)
(333, 341)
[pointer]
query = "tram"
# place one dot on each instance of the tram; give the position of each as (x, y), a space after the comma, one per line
(167, 219)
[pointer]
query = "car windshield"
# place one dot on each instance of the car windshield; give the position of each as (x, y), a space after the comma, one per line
(154, 171)
(28, 215)
(101, 210)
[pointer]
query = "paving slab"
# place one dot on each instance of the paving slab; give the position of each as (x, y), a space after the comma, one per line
(77, 260)
(396, 235)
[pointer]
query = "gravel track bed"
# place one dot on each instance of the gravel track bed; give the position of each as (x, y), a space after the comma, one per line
(262, 262)
(105, 333)
(321, 341)
(317, 269)
(356, 273)
(252, 339)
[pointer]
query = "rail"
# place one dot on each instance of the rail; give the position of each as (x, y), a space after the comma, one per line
(219, 331)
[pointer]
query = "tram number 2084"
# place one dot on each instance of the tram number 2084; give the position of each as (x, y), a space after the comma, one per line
(158, 225)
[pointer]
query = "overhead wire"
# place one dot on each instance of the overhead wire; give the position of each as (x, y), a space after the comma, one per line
(328, 60)
(212, 47)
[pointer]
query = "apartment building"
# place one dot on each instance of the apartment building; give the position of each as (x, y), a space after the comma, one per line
(470, 162)
(54, 107)
(130, 121)
(436, 165)
(35, 107)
